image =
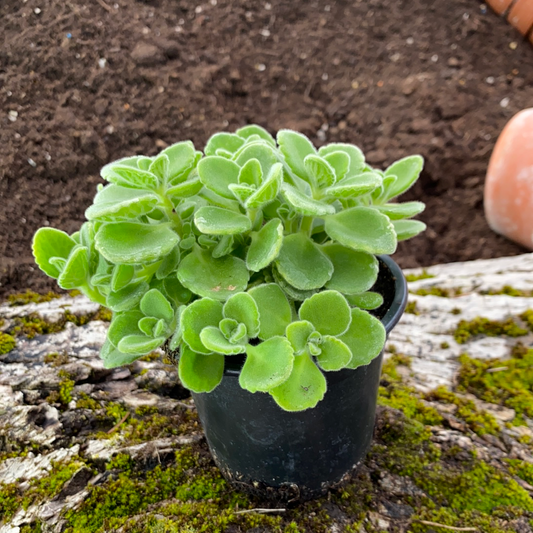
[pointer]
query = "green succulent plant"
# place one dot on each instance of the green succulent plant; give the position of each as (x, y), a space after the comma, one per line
(259, 246)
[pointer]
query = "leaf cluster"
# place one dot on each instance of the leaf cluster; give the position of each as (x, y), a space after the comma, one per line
(257, 246)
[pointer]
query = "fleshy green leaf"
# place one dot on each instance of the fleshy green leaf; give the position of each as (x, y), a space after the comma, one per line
(182, 157)
(124, 325)
(48, 243)
(305, 387)
(131, 242)
(298, 335)
(197, 316)
(114, 202)
(122, 275)
(213, 339)
(328, 311)
(320, 171)
(224, 246)
(218, 221)
(185, 189)
(169, 264)
(177, 335)
(291, 292)
(241, 192)
(216, 173)
(399, 211)
(161, 329)
(254, 129)
(126, 298)
(302, 263)
(367, 300)
(175, 291)
(268, 190)
(265, 246)
(113, 358)
(295, 147)
(198, 372)
(406, 171)
(274, 310)
(262, 152)
(267, 365)
(354, 186)
(227, 326)
(303, 204)
(365, 337)
(227, 141)
(251, 173)
(406, 229)
(128, 176)
(357, 159)
(334, 354)
(364, 229)
(214, 278)
(354, 272)
(146, 325)
(153, 303)
(239, 335)
(242, 308)
(76, 270)
(340, 162)
(160, 167)
(139, 344)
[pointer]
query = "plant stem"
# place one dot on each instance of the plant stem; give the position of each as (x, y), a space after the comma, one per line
(172, 215)
(306, 225)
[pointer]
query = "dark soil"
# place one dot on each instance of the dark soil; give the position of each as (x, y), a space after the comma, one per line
(94, 81)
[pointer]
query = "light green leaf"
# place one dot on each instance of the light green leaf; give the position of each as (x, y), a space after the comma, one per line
(328, 311)
(213, 339)
(334, 354)
(132, 242)
(367, 300)
(218, 221)
(197, 316)
(126, 298)
(122, 275)
(169, 264)
(227, 326)
(227, 141)
(406, 229)
(365, 337)
(175, 291)
(354, 186)
(298, 334)
(242, 308)
(364, 229)
(124, 325)
(216, 278)
(224, 247)
(146, 325)
(320, 171)
(354, 272)
(48, 243)
(160, 167)
(274, 310)
(406, 171)
(128, 176)
(399, 211)
(305, 205)
(340, 162)
(182, 158)
(268, 190)
(302, 264)
(357, 159)
(251, 173)
(295, 147)
(239, 335)
(200, 373)
(161, 329)
(115, 202)
(113, 358)
(265, 246)
(216, 173)
(154, 304)
(76, 270)
(262, 152)
(305, 387)
(185, 189)
(177, 335)
(139, 344)
(254, 129)
(241, 192)
(267, 365)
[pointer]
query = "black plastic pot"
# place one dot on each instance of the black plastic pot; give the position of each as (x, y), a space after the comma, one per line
(296, 456)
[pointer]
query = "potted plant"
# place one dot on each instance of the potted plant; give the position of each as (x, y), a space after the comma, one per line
(256, 267)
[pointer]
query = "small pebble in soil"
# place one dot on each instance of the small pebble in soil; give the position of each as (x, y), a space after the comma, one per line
(32, 162)
(490, 80)
(268, 6)
(409, 40)
(513, 45)
(483, 9)
(102, 62)
(434, 58)
(213, 2)
(37, 11)
(505, 102)
(12, 115)
(260, 67)
(265, 32)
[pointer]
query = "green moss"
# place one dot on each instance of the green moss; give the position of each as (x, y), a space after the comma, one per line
(527, 317)
(62, 396)
(509, 291)
(411, 308)
(478, 421)
(444, 345)
(152, 356)
(506, 382)
(415, 277)
(7, 343)
(29, 297)
(491, 328)
(56, 359)
(456, 311)
(521, 469)
(435, 291)
(86, 402)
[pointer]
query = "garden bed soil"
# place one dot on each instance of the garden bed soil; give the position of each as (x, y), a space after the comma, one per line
(84, 83)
